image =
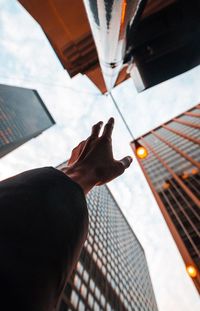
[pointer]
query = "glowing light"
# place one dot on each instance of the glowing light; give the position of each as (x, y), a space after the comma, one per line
(166, 186)
(141, 152)
(185, 175)
(194, 171)
(192, 271)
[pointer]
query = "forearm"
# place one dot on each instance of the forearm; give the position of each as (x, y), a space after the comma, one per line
(81, 175)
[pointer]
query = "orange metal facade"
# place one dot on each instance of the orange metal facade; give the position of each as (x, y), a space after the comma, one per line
(66, 26)
(172, 170)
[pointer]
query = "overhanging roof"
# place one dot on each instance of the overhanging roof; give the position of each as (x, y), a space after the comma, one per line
(66, 26)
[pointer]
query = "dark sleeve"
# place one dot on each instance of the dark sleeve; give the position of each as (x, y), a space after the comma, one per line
(43, 225)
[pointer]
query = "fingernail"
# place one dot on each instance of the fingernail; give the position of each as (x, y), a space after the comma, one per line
(111, 120)
(130, 159)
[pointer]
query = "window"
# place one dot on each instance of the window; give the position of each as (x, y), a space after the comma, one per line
(103, 301)
(74, 299)
(92, 285)
(83, 291)
(81, 306)
(89, 248)
(94, 255)
(79, 267)
(96, 306)
(97, 293)
(77, 281)
(85, 276)
(90, 300)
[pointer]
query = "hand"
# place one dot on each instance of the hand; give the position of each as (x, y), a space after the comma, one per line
(92, 163)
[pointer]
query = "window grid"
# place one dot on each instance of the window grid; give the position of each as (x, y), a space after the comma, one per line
(183, 210)
(112, 272)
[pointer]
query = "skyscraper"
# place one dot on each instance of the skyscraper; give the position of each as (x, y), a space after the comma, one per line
(161, 37)
(23, 116)
(112, 272)
(172, 171)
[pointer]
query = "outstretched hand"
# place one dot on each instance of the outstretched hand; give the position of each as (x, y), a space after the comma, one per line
(92, 163)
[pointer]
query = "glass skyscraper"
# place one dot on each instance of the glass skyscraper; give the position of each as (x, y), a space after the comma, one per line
(112, 272)
(172, 171)
(23, 116)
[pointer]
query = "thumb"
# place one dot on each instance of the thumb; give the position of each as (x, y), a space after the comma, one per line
(126, 162)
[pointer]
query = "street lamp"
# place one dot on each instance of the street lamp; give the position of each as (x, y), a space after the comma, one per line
(192, 271)
(140, 150)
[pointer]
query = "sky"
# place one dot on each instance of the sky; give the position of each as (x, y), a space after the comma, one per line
(27, 60)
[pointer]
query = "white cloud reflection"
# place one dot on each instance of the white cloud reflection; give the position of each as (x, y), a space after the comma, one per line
(26, 59)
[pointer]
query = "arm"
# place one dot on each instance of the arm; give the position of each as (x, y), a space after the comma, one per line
(43, 225)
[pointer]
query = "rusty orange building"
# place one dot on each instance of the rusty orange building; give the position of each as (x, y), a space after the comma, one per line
(164, 43)
(172, 170)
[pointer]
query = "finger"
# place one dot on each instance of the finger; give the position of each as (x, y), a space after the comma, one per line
(125, 163)
(108, 128)
(95, 133)
(96, 129)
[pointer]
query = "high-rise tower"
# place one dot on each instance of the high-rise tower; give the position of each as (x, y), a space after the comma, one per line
(112, 272)
(23, 116)
(172, 170)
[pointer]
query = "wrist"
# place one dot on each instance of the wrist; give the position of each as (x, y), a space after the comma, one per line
(81, 176)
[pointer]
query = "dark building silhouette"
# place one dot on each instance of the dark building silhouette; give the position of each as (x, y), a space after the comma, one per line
(172, 171)
(23, 116)
(112, 272)
(161, 43)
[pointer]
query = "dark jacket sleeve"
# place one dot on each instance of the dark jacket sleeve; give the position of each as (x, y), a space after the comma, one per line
(43, 225)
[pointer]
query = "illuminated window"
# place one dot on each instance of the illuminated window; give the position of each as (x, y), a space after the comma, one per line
(89, 248)
(108, 277)
(77, 281)
(96, 306)
(94, 256)
(166, 186)
(92, 285)
(103, 301)
(81, 306)
(194, 171)
(79, 267)
(90, 239)
(85, 276)
(74, 299)
(95, 247)
(90, 300)
(185, 175)
(99, 264)
(104, 270)
(83, 290)
(97, 293)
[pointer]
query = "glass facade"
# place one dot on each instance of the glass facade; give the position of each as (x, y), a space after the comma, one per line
(23, 116)
(112, 272)
(172, 169)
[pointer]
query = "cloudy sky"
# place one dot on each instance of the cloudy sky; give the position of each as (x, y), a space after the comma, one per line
(27, 59)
